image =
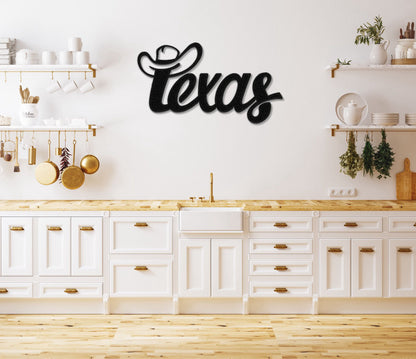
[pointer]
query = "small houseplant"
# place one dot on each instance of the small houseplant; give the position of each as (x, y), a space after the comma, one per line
(373, 33)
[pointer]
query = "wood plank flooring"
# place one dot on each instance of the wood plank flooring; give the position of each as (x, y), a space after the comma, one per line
(216, 336)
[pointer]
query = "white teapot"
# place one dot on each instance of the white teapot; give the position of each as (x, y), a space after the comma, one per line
(351, 115)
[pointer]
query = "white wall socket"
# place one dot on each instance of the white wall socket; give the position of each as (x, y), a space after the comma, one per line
(342, 192)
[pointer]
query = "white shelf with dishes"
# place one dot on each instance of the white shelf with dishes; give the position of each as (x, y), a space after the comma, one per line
(336, 67)
(370, 128)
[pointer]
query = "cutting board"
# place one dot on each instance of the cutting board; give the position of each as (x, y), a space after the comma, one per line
(406, 183)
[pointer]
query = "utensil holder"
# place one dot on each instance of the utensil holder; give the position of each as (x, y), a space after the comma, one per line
(29, 114)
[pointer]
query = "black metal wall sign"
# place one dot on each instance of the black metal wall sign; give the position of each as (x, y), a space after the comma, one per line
(170, 63)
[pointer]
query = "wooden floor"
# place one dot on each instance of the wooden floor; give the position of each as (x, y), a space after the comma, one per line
(219, 336)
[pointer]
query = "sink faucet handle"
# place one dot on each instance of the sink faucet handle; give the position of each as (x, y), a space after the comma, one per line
(192, 198)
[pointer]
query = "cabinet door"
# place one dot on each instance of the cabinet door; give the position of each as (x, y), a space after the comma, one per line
(334, 268)
(16, 243)
(402, 259)
(366, 267)
(54, 246)
(86, 233)
(194, 268)
(226, 267)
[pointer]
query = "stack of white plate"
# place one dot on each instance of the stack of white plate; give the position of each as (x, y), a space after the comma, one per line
(410, 119)
(385, 119)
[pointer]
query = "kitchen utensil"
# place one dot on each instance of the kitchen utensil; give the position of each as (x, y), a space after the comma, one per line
(72, 177)
(47, 172)
(1, 146)
(70, 86)
(31, 158)
(86, 86)
(346, 99)
(351, 114)
(21, 93)
(58, 150)
(16, 164)
(29, 114)
(74, 44)
(89, 164)
(36, 99)
(404, 182)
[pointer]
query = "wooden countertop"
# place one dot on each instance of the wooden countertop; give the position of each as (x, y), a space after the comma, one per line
(173, 205)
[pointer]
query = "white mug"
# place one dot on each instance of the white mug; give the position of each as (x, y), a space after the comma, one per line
(86, 86)
(65, 58)
(48, 58)
(82, 57)
(74, 44)
(54, 86)
(69, 86)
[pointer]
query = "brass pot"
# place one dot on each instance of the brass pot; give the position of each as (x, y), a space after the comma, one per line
(89, 164)
(72, 177)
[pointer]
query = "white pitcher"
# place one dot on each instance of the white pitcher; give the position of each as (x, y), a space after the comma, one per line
(378, 54)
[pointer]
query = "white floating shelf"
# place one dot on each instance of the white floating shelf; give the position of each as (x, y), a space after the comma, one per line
(49, 68)
(336, 67)
(371, 128)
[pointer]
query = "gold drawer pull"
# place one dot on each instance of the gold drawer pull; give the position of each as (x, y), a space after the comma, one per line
(141, 268)
(350, 224)
(280, 246)
(54, 228)
(3, 291)
(366, 250)
(281, 268)
(280, 224)
(404, 250)
(86, 228)
(335, 250)
(280, 290)
(141, 224)
(71, 290)
(16, 228)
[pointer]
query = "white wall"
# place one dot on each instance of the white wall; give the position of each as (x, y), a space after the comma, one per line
(164, 156)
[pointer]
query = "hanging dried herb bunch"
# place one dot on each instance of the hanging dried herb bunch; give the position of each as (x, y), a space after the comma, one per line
(351, 161)
(384, 157)
(64, 162)
(368, 157)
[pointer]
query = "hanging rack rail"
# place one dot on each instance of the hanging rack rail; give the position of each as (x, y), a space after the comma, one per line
(36, 129)
(398, 128)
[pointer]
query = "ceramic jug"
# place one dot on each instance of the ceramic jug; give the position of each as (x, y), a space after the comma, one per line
(351, 114)
(378, 54)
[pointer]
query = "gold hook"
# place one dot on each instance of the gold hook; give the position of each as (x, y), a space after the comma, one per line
(52, 75)
(69, 75)
(85, 75)
(20, 76)
(5, 76)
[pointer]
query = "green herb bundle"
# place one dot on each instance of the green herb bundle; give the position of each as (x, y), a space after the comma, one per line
(367, 32)
(368, 157)
(384, 157)
(351, 161)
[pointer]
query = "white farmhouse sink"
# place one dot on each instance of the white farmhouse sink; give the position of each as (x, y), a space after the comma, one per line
(211, 219)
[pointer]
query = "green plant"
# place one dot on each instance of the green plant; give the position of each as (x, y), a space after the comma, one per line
(384, 157)
(368, 157)
(351, 161)
(344, 62)
(367, 32)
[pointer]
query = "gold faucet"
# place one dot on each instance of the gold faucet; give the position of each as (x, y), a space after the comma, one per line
(211, 196)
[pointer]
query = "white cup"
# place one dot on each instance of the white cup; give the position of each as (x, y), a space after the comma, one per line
(82, 57)
(65, 58)
(48, 58)
(86, 86)
(69, 86)
(74, 44)
(54, 86)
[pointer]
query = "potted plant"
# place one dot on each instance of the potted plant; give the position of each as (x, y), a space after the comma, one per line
(373, 33)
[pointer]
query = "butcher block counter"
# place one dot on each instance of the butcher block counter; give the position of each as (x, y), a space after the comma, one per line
(173, 205)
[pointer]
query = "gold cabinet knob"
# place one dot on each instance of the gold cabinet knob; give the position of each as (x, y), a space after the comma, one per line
(71, 290)
(141, 268)
(335, 250)
(3, 291)
(280, 290)
(366, 250)
(16, 228)
(404, 250)
(141, 224)
(350, 224)
(54, 228)
(280, 246)
(280, 224)
(192, 198)
(86, 228)
(281, 268)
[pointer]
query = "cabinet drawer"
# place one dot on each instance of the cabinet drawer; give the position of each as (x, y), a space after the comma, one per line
(141, 235)
(280, 289)
(280, 267)
(284, 246)
(141, 278)
(402, 224)
(351, 224)
(15, 290)
(70, 290)
(280, 224)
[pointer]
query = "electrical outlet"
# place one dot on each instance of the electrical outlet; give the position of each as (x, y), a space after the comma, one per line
(342, 192)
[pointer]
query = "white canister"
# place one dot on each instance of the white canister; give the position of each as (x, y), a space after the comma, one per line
(65, 58)
(411, 53)
(74, 44)
(48, 58)
(82, 57)
(29, 114)
(400, 52)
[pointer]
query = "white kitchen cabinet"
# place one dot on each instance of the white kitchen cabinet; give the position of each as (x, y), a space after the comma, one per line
(334, 267)
(402, 269)
(54, 241)
(351, 224)
(86, 242)
(366, 267)
(15, 290)
(16, 246)
(70, 290)
(210, 267)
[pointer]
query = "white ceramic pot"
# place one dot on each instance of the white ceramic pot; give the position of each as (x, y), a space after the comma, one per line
(29, 114)
(378, 54)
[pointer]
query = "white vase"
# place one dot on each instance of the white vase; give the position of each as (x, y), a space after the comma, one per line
(378, 54)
